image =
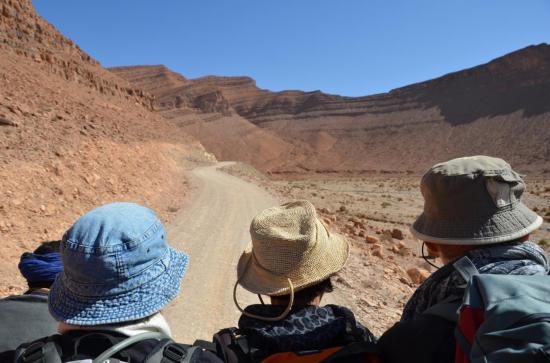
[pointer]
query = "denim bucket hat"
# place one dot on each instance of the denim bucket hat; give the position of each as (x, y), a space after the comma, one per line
(473, 201)
(117, 267)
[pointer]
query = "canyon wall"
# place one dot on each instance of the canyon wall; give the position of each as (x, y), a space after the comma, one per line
(500, 108)
(73, 136)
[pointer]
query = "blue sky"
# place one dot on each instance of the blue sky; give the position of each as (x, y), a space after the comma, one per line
(348, 47)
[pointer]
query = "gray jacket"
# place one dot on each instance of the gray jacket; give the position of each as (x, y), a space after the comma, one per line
(24, 318)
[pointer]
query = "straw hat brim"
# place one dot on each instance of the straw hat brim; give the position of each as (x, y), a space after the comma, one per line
(325, 259)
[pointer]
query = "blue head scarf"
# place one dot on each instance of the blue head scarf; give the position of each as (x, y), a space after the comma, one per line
(40, 268)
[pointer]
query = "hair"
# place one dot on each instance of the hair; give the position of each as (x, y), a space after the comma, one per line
(44, 248)
(47, 247)
(456, 251)
(311, 292)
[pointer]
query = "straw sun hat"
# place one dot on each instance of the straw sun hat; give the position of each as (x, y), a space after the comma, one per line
(291, 250)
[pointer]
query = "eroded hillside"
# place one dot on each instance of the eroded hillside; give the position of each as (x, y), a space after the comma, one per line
(73, 136)
(500, 108)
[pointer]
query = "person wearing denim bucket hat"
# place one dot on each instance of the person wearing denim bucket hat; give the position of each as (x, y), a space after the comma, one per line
(291, 259)
(119, 272)
(472, 208)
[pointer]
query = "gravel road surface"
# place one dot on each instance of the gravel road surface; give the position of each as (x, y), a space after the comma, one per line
(213, 229)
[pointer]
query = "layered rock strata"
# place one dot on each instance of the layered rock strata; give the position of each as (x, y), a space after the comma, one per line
(500, 108)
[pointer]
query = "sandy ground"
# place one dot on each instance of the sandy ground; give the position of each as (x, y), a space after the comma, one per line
(374, 212)
(213, 229)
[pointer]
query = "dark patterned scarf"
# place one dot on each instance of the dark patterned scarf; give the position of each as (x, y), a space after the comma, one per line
(510, 258)
(305, 328)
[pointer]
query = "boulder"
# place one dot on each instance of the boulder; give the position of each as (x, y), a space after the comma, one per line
(376, 246)
(372, 239)
(397, 234)
(378, 253)
(418, 275)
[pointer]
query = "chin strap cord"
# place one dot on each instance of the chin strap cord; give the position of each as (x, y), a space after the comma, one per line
(261, 300)
(428, 258)
(265, 318)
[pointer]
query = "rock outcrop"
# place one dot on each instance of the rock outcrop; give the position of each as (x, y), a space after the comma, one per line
(73, 136)
(26, 34)
(202, 109)
(501, 108)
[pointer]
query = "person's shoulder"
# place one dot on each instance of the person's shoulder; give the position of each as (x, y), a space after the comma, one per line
(24, 307)
(169, 350)
(31, 296)
(206, 356)
(34, 347)
(427, 328)
(426, 339)
(360, 330)
(7, 356)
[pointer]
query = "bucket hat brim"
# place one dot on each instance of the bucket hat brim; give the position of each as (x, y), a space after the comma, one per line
(506, 225)
(326, 258)
(138, 303)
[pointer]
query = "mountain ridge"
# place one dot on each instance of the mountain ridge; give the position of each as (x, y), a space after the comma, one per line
(479, 110)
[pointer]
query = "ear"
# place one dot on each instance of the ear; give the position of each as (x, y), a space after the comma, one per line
(433, 249)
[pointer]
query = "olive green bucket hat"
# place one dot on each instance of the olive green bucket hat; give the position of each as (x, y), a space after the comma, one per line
(473, 201)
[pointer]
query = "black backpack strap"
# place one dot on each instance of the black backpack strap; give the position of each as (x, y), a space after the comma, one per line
(120, 346)
(176, 353)
(108, 339)
(167, 351)
(351, 323)
(232, 346)
(156, 354)
(466, 268)
(39, 351)
(206, 345)
(543, 354)
(358, 349)
(448, 308)
(445, 310)
(353, 328)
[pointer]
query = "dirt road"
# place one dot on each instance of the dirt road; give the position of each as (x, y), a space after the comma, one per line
(213, 229)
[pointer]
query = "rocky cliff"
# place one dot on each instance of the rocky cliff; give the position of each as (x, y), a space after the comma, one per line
(26, 34)
(73, 136)
(500, 108)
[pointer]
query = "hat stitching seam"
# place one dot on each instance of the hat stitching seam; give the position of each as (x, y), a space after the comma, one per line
(120, 266)
(123, 294)
(527, 229)
(499, 210)
(476, 173)
(87, 285)
(129, 245)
